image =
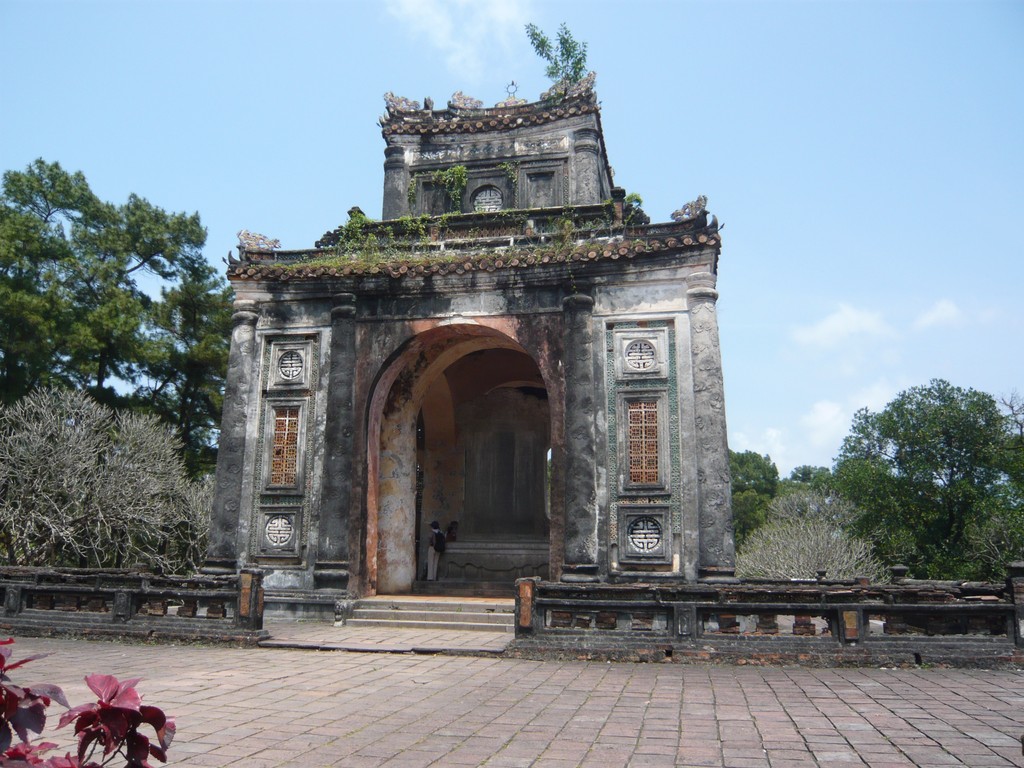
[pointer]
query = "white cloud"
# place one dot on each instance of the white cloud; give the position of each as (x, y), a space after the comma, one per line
(842, 325)
(771, 441)
(464, 31)
(875, 396)
(943, 313)
(826, 424)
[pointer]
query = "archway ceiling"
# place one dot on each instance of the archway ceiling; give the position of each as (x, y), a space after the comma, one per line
(482, 371)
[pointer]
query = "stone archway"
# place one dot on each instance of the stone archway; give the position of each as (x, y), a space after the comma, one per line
(459, 429)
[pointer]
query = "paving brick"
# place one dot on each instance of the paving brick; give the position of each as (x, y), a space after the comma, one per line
(275, 708)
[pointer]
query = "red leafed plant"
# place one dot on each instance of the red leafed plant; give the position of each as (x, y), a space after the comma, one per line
(109, 726)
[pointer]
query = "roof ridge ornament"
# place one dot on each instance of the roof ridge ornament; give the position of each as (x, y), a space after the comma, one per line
(691, 210)
(254, 241)
(512, 100)
(564, 89)
(400, 103)
(459, 100)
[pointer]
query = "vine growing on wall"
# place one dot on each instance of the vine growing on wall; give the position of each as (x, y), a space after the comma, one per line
(453, 181)
(511, 170)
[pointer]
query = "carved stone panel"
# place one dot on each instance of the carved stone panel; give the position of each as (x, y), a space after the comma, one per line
(289, 364)
(645, 533)
(542, 184)
(280, 531)
(641, 353)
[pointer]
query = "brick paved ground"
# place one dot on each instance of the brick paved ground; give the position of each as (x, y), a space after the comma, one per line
(263, 708)
(325, 636)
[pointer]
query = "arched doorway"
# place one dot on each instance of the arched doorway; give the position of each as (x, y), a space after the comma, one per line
(459, 430)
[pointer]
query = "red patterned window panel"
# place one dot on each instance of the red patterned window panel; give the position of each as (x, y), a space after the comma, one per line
(284, 460)
(642, 421)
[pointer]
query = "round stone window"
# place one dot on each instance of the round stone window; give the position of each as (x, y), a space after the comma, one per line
(279, 530)
(644, 534)
(290, 365)
(641, 355)
(487, 199)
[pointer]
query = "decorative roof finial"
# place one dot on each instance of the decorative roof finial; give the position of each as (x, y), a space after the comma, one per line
(691, 210)
(254, 241)
(512, 101)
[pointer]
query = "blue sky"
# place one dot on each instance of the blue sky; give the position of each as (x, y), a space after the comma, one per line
(866, 158)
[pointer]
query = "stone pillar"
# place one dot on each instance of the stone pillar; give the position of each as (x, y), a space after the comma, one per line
(1015, 586)
(586, 167)
(714, 513)
(222, 553)
(580, 442)
(396, 183)
(331, 570)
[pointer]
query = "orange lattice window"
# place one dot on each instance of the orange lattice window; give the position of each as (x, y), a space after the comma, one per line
(642, 421)
(284, 460)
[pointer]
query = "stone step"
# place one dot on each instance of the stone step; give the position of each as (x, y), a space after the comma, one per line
(384, 614)
(437, 604)
(453, 626)
(469, 614)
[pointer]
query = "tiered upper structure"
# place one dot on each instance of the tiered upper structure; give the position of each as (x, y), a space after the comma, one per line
(514, 155)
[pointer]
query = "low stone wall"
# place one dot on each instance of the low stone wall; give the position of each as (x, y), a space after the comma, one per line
(123, 603)
(827, 623)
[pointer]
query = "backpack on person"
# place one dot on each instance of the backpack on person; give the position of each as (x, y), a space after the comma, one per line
(439, 541)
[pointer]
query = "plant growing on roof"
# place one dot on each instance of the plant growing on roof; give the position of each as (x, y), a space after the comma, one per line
(568, 63)
(632, 212)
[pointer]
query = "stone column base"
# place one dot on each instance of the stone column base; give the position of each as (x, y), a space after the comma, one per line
(581, 573)
(331, 575)
(220, 567)
(717, 574)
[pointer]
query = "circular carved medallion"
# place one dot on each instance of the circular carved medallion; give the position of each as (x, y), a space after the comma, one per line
(487, 199)
(644, 534)
(641, 355)
(279, 530)
(290, 365)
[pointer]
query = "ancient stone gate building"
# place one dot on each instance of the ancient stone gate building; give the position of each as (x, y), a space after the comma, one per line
(513, 347)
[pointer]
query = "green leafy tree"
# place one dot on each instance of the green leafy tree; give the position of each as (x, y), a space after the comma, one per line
(73, 312)
(39, 209)
(1013, 451)
(807, 478)
(70, 266)
(755, 482)
(186, 359)
(566, 58)
(930, 475)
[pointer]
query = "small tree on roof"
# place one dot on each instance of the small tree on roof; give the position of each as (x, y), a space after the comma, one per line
(567, 64)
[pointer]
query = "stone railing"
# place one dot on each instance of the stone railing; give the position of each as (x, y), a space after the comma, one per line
(42, 601)
(907, 622)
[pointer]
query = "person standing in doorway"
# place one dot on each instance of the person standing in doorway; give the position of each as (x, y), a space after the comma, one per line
(434, 550)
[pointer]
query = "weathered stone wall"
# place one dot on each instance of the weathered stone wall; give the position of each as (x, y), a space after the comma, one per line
(128, 603)
(552, 163)
(758, 622)
(376, 351)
